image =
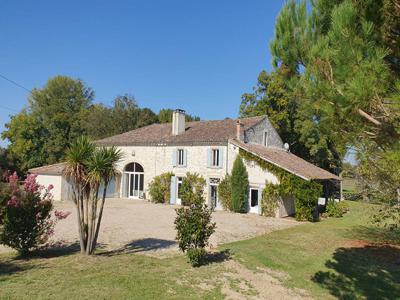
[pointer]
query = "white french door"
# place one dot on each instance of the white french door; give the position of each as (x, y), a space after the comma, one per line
(135, 185)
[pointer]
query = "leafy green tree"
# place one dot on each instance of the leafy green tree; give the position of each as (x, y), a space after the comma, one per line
(40, 134)
(26, 135)
(341, 62)
(7, 164)
(123, 116)
(165, 116)
(240, 186)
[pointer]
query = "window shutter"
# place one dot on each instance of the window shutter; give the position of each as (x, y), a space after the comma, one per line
(125, 185)
(184, 157)
(260, 190)
(174, 157)
(172, 198)
(209, 157)
(221, 158)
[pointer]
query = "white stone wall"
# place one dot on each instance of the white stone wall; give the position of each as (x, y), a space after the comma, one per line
(55, 180)
(156, 160)
(257, 176)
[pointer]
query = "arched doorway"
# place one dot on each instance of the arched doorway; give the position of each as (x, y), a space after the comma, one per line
(134, 180)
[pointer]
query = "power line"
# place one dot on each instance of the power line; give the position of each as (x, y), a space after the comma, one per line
(15, 83)
(8, 108)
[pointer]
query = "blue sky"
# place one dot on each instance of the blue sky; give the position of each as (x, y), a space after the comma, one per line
(197, 55)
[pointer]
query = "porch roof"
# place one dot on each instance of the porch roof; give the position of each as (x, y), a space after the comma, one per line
(287, 161)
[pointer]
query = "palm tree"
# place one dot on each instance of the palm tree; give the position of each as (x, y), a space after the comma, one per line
(101, 170)
(87, 168)
(75, 171)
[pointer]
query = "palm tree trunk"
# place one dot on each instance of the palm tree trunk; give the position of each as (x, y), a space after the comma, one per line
(80, 225)
(89, 248)
(103, 200)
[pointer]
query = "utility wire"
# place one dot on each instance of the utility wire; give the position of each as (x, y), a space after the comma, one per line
(8, 108)
(15, 83)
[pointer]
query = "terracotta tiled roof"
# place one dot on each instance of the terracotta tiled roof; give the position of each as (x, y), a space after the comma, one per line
(55, 169)
(287, 161)
(200, 132)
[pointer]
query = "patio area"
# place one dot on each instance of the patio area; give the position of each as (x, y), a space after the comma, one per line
(138, 226)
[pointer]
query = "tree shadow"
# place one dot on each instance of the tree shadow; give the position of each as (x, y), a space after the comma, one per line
(142, 245)
(9, 268)
(370, 272)
(375, 234)
(51, 251)
(216, 257)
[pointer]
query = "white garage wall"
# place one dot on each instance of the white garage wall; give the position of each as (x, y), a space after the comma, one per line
(55, 180)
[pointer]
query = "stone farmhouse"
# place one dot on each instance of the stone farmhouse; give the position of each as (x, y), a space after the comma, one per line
(208, 148)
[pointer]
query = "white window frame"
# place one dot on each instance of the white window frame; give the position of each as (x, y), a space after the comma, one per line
(215, 157)
(180, 157)
(254, 209)
(265, 138)
(179, 181)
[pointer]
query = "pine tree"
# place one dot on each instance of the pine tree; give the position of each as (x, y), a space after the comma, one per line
(240, 186)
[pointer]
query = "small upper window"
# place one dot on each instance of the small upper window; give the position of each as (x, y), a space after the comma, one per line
(266, 138)
(181, 157)
(215, 157)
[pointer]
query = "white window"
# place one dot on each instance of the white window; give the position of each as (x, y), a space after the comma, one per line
(181, 157)
(215, 157)
(266, 138)
(179, 190)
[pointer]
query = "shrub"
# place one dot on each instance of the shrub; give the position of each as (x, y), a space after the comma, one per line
(240, 186)
(306, 195)
(270, 199)
(335, 209)
(196, 256)
(225, 193)
(192, 189)
(194, 228)
(26, 215)
(160, 188)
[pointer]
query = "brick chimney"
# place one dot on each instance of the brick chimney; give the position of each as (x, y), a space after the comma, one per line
(239, 130)
(178, 121)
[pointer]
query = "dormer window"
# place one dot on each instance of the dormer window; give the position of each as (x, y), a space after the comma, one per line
(265, 139)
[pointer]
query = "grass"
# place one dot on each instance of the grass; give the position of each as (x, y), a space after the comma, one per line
(343, 258)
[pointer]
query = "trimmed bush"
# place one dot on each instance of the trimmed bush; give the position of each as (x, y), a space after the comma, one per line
(225, 193)
(192, 189)
(160, 188)
(335, 209)
(194, 228)
(240, 186)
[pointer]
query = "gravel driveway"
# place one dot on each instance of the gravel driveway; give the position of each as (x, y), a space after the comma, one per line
(141, 226)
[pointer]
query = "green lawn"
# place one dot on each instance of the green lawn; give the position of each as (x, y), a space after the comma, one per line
(343, 257)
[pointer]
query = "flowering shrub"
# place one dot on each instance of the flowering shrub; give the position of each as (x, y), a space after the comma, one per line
(25, 214)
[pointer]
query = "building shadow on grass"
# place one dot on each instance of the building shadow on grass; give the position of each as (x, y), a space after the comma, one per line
(141, 245)
(368, 272)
